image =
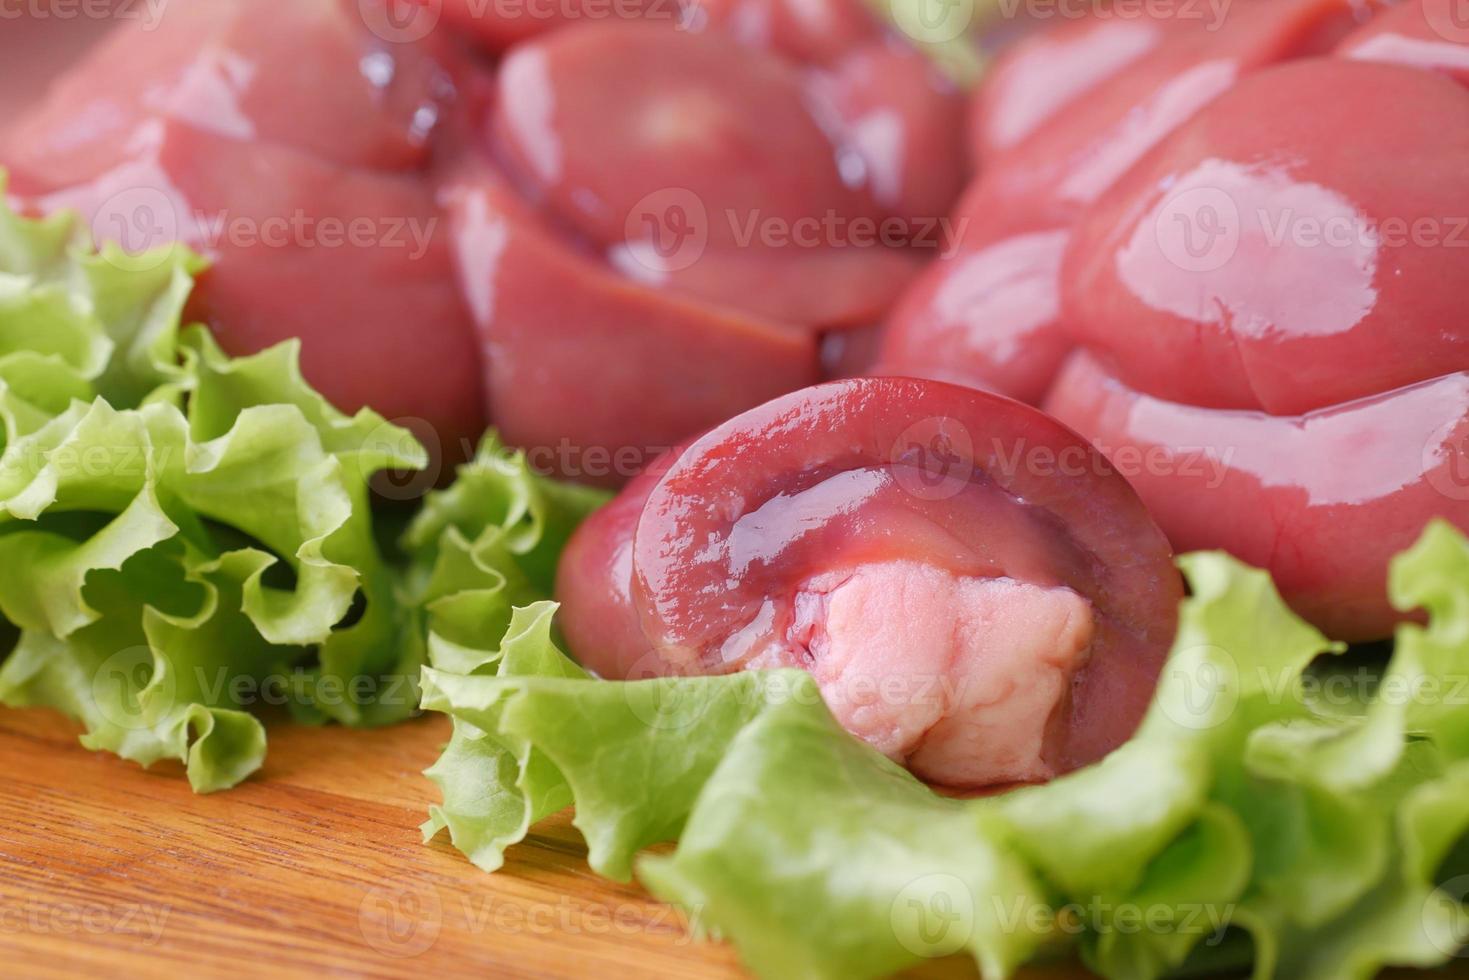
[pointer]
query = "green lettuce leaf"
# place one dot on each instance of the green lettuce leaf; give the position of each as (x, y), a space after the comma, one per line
(820, 857)
(1282, 806)
(550, 729)
(185, 537)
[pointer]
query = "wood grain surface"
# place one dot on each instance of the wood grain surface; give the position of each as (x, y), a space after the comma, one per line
(313, 867)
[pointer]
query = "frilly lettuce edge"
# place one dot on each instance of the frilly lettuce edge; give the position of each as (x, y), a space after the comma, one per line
(1282, 809)
(184, 536)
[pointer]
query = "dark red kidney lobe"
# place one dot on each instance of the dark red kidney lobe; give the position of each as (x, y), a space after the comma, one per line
(1429, 34)
(991, 315)
(729, 175)
(1276, 243)
(264, 215)
(814, 32)
(700, 113)
(1057, 65)
(499, 26)
(285, 140)
(903, 121)
(1322, 500)
(1068, 161)
(306, 75)
(715, 565)
(601, 373)
(988, 317)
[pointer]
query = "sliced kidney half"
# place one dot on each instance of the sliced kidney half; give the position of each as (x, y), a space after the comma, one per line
(977, 593)
(1322, 500)
(1272, 254)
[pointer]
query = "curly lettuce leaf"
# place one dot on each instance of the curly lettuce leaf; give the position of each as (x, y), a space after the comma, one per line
(1259, 816)
(184, 536)
(524, 711)
(552, 729)
(819, 857)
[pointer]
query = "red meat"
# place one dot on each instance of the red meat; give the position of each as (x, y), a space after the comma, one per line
(605, 373)
(1275, 245)
(301, 248)
(886, 534)
(1322, 500)
(1428, 34)
(992, 315)
(299, 73)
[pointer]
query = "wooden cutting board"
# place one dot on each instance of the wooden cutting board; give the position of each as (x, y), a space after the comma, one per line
(312, 867)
